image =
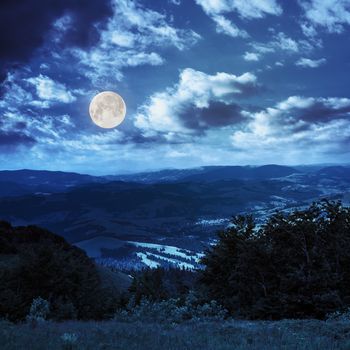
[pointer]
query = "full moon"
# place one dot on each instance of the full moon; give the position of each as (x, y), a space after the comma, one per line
(107, 109)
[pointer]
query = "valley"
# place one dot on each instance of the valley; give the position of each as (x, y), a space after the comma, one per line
(164, 218)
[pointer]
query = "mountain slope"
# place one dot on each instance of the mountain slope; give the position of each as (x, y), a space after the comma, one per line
(37, 263)
(19, 182)
(241, 173)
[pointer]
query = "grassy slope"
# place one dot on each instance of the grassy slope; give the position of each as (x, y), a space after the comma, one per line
(238, 335)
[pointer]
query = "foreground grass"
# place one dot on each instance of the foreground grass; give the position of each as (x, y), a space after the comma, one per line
(232, 335)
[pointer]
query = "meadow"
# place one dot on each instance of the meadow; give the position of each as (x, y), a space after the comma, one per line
(213, 335)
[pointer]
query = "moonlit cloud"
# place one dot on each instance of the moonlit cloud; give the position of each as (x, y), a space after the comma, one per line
(296, 125)
(248, 9)
(177, 116)
(225, 26)
(285, 43)
(50, 90)
(281, 43)
(309, 63)
(198, 101)
(251, 56)
(130, 38)
(332, 15)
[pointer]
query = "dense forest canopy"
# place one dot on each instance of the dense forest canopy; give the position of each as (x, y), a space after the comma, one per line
(296, 265)
(37, 263)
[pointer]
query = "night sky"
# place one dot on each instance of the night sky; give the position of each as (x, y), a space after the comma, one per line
(206, 82)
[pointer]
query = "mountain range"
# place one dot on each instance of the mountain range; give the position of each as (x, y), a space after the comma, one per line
(135, 215)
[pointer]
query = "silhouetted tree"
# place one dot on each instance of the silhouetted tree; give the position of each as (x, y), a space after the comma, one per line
(296, 265)
(37, 263)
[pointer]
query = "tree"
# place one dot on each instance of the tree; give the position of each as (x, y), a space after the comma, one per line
(296, 265)
(38, 263)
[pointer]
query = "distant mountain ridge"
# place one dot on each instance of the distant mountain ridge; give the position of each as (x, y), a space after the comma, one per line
(210, 173)
(25, 181)
(172, 208)
(22, 182)
(40, 177)
(242, 173)
(61, 179)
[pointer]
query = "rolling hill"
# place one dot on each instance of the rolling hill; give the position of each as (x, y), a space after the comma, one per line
(102, 214)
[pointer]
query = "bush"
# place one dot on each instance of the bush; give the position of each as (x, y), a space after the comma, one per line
(343, 316)
(69, 340)
(39, 310)
(172, 311)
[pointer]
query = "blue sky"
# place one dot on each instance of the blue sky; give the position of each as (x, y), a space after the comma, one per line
(206, 82)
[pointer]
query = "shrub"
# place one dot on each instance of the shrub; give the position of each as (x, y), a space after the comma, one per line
(69, 340)
(172, 311)
(343, 316)
(39, 310)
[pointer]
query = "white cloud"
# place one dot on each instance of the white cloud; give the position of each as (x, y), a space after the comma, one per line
(122, 39)
(225, 26)
(282, 42)
(50, 90)
(132, 38)
(251, 56)
(296, 125)
(279, 42)
(14, 95)
(308, 30)
(195, 90)
(141, 58)
(309, 63)
(333, 15)
(247, 9)
(148, 26)
(285, 43)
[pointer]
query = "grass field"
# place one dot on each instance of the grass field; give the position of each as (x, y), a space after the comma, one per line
(228, 335)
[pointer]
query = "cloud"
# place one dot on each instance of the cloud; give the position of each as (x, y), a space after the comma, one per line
(24, 129)
(309, 63)
(197, 102)
(14, 95)
(297, 125)
(13, 139)
(313, 109)
(333, 15)
(279, 42)
(24, 25)
(130, 35)
(248, 9)
(225, 26)
(148, 27)
(308, 30)
(251, 56)
(282, 43)
(130, 38)
(285, 43)
(50, 90)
